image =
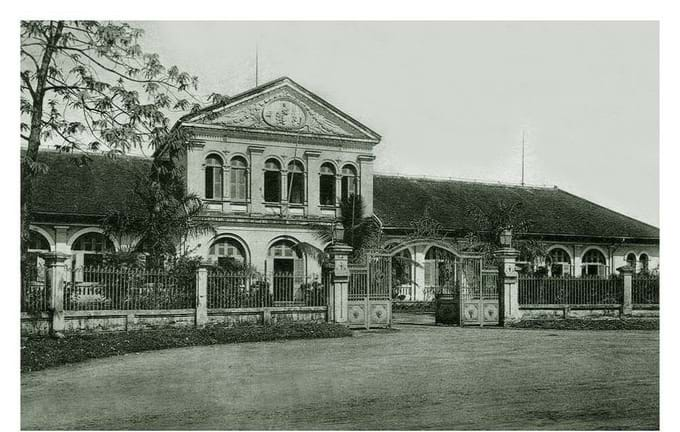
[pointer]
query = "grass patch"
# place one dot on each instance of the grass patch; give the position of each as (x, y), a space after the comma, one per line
(592, 324)
(40, 352)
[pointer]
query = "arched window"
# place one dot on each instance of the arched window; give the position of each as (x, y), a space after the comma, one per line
(92, 246)
(238, 179)
(593, 263)
(644, 262)
(227, 252)
(296, 183)
(327, 185)
(349, 181)
(272, 181)
(559, 262)
(283, 249)
(213, 177)
(631, 260)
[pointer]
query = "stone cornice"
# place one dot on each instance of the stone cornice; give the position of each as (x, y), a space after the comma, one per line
(256, 149)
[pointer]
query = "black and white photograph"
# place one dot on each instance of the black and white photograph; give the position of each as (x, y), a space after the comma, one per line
(337, 224)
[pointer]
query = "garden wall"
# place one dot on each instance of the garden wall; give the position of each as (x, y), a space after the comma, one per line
(530, 312)
(126, 320)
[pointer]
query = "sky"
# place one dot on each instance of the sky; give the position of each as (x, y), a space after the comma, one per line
(453, 99)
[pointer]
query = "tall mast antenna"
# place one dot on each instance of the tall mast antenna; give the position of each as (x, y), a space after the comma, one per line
(523, 134)
(256, 65)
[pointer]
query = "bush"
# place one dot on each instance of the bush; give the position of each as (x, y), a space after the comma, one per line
(40, 352)
(589, 324)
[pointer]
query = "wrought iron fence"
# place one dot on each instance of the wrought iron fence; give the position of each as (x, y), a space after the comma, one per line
(358, 282)
(645, 289)
(246, 290)
(114, 288)
(34, 296)
(489, 284)
(570, 290)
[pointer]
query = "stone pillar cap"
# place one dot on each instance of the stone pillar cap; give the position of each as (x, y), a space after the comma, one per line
(340, 247)
(58, 256)
(506, 251)
(626, 269)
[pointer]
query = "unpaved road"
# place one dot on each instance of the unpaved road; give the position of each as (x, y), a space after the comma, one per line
(417, 377)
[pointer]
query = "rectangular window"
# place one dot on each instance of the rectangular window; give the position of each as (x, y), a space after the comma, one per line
(349, 186)
(238, 184)
(217, 177)
(213, 182)
(296, 188)
(327, 190)
(272, 186)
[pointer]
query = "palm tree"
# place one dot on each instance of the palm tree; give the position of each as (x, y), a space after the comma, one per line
(358, 231)
(159, 218)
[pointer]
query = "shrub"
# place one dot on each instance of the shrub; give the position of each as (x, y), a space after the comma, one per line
(40, 352)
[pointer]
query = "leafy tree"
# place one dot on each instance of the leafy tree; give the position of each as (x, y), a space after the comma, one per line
(88, 86)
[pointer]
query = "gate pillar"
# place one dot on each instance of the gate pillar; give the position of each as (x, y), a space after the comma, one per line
(55, 278)
(509, 290)
(338, 290)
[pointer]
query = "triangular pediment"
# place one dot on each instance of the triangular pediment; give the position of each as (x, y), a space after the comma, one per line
(282, 107)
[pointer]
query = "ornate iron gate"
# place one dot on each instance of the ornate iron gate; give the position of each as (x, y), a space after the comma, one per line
(369, 293)
(478, 293)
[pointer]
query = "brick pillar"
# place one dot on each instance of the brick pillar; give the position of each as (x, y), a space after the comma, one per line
(627, 305)
(202, 296)
(509, 290)
(338, 291)
(55, 277)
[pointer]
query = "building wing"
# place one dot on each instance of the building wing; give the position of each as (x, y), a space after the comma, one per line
(399, 201)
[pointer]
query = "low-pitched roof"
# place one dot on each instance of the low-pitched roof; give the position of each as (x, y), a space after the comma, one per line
(68, 192)
(73, 191)
(397, 201)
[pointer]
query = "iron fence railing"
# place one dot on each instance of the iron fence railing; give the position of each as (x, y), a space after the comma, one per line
(489, 284)
(247, 290)
(34, 296)
(570, 290)
(114, 288)
(645, 289)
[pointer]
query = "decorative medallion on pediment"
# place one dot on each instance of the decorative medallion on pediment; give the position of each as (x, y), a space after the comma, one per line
(283, 110)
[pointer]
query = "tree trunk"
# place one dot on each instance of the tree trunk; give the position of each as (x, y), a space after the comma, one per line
(27, 175)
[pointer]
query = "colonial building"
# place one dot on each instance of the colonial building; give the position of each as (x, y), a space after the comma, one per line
(274, 162)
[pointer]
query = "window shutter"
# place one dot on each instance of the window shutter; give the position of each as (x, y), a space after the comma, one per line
(233, 186)
(217, 177)
(208, 182)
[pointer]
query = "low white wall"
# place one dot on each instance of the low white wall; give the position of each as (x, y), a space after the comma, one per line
(121, 320)
(584, 311)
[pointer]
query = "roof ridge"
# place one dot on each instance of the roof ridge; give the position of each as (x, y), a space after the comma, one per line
(55, 151)
(606, 208)
(463, 180)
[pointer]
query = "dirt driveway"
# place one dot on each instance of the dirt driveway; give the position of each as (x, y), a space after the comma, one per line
(417, 377)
